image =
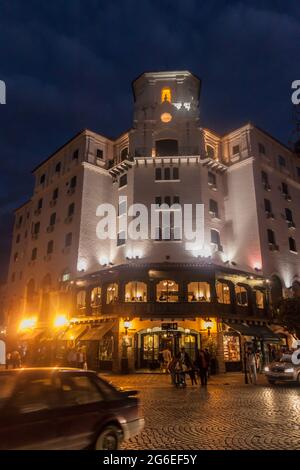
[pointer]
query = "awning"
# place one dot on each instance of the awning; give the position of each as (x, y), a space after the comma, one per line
(31, 335)
(73, 332)
(97, 332)
(259, 331)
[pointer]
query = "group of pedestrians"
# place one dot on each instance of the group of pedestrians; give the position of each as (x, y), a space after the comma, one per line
(181, 366)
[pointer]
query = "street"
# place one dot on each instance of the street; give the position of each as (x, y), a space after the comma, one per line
(228, 415)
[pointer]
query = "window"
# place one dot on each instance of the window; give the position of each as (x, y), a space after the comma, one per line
(166, 95)
(288, 215)
(122, 207)
(284, 188)
(78, 390)
(66, 276)
(271, 237)
(68, 239)
(259, 299)
(34, 254)
(158, 200)
(81, 299)
(50, 247)
(73, 182)
(18, 238)
(241, 295)
(42, 178)
(76, 154)
(175, 173)
(235, 149)
(210, 151)
(167, 291)
(198, 292)
(136, 291)
(261, 149)
(16, 257)
(213, 208)
(121, 238)
(57, 167)
(96, 297)
(167, 173)
(292, 245)
(176, 200)
(122, 181)
(215, 237)
(157, 174)
(40, 204)
(19, 222)
(124, 154)
(35, 394)
(281, 161)
(264, 178)
(223, 292)
(268, 206)
(36, 228)
(167, 200)
(52, 219)
(71, 209)
(112, 293)
(99, 153)
(212, 180)
(55, 194)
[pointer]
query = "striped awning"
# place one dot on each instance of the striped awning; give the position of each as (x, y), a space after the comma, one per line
(73, 332)
(97, 332)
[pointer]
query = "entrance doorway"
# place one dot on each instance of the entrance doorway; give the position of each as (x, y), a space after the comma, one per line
(151, 344)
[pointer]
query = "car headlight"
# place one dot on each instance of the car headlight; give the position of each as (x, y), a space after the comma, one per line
(266, 369)
(290, 370)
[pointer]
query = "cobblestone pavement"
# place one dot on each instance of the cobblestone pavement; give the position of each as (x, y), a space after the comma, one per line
(228, 415)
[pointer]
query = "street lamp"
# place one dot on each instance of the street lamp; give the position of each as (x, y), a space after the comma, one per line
(208, 325)
(127, 325)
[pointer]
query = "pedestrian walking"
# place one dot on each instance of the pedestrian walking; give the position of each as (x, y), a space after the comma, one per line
(251, 366)
(202, 367)
(208, 361)
(172, 370)
(192, 374)
(16, 359)
(167, 357)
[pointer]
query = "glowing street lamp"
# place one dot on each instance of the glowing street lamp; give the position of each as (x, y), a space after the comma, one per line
(127, 325)
(27, 323)
(60, 320)
(208, 325)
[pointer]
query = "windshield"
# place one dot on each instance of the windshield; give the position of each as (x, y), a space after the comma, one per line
(286, 358)
(7, 383)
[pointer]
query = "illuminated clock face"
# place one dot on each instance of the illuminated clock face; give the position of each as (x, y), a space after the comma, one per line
(166, 117)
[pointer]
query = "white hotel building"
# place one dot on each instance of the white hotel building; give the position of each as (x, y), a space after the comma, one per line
(126, 300)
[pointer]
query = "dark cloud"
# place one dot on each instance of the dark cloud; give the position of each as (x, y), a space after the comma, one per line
(69, 65)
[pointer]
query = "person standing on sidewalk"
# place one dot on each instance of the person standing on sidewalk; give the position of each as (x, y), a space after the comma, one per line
(251, 366)
(202, 367)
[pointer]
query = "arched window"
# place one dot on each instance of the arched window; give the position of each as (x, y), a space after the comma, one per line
(81, 299)
(136, 291)
(259, 298)
(96, 297)
(241, 295)
(112, 293)
(223, 292)
(166, 95)
(210, 151)
(198, 292)
(167, 291)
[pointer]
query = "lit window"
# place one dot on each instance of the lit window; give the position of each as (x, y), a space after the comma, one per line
(198, 292)
(166, 95)
(223, 292)
(241, 295)
(136, 292)
(81, 299)
(259, 299)
(167, 291)
(112, 293)
(96, 297)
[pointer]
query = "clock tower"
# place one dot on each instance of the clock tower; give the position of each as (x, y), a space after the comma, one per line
(166, 115)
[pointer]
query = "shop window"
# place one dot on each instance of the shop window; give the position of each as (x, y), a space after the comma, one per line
(241, 295)
(167, 291)
(198, 292)
(96, 297)
(106, 347)
(112, 293)
(136, 292)
(232, 349)
(259, 299)
(223, 292)
(81, 299)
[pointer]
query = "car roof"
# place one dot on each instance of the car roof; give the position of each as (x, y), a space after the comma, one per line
(43, 369)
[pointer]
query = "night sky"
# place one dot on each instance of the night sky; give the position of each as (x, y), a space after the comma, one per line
(68, 65)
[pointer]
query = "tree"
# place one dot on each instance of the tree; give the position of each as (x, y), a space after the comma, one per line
(289, 314)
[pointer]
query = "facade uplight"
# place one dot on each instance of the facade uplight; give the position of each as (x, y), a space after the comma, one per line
(27, 323)
(60, 320)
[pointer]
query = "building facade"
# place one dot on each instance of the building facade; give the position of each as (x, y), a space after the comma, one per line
(125, 299)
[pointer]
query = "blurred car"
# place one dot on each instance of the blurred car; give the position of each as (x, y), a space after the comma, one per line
(61, 408)
(283, 370)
